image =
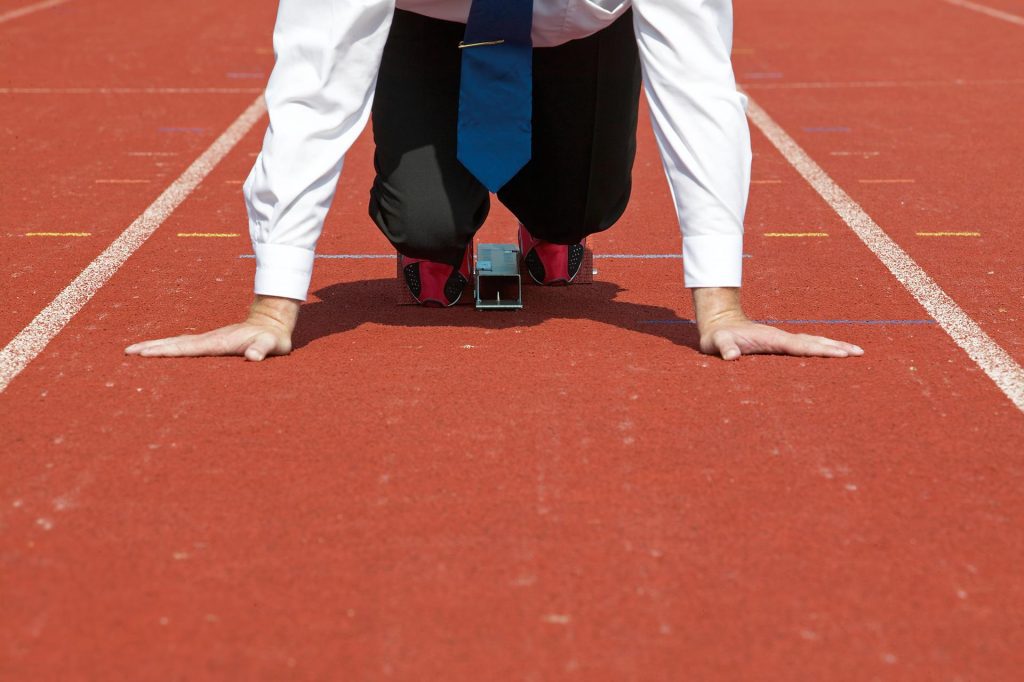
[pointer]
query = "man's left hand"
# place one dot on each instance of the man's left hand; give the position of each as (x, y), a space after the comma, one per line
(726, 331)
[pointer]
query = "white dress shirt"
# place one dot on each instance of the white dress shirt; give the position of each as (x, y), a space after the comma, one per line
(321, 90)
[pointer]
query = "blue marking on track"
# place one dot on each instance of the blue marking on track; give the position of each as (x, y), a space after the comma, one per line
(838, 322)
(181, 130)
(343, 256)
(614, 256)
(828, 129)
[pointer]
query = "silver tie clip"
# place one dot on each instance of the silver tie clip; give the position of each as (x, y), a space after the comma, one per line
(483, 44)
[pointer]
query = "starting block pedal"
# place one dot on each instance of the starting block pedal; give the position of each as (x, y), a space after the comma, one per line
(587, 271)
(499, 285)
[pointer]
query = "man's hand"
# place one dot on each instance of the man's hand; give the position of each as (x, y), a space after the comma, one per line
(725, 330)
(266, 331)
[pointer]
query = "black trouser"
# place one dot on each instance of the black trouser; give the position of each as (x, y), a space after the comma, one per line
(586, 94)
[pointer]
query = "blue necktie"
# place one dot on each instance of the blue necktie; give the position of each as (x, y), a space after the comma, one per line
(496, 91)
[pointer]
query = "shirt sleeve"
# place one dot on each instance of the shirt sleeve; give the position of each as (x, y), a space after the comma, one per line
(699, 120)
(318, 99)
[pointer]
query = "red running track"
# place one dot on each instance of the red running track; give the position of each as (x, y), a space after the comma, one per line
(596, 500)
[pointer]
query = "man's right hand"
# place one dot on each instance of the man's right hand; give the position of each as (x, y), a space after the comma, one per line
(267, 331)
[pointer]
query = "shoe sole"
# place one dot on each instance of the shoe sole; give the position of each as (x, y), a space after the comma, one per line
(577, 253)
(410, 276)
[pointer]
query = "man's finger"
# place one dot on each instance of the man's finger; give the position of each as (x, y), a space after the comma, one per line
(848, 347)
(188, 346)
(171, 348)
(806, 345)
(727, 346)
(137, 348)
(813, 348)
(261, 346)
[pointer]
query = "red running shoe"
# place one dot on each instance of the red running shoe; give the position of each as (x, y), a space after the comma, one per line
(550, 264)
(435, 285)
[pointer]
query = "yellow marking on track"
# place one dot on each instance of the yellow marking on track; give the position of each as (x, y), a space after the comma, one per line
(58, 234)
(796, 234)
(866, 155)
(208, 235)
(888, 181)
(766, 182)
(234, 182)
(949, 234)
(122, 182)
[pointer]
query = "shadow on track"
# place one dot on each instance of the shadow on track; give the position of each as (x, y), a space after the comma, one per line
(342, 307)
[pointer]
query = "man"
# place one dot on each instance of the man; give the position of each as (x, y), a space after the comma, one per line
(447, 75)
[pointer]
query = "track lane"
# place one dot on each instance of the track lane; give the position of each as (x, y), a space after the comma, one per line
(617, 505)
(96, 169)
(676, 509)
(83, 174)
(958, 144)
(108, 43)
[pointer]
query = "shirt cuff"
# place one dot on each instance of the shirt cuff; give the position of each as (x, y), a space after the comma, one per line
(283, 270)
(713, 260)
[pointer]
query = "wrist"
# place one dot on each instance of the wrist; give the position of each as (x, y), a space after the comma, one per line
(713, 305)
(275, 311)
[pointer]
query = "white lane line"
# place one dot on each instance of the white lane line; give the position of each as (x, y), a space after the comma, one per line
(30, 9)
(996, 362)
(827, 85)
(31, 341)
(990, 11)
(130, 91)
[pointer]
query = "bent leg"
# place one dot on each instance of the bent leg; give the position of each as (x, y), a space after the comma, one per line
(586, 100)
(424, 201)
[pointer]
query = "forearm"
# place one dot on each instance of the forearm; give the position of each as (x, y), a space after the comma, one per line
(318, 100)
(701, 128)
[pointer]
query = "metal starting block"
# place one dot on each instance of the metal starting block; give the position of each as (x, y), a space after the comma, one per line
(498, 283)
(496, 279)
(587, 271)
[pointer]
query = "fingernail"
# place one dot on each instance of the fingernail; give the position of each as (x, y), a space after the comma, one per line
(858, 349)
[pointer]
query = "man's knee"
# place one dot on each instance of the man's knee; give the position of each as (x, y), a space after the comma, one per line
(564, 221)
(425, 225)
